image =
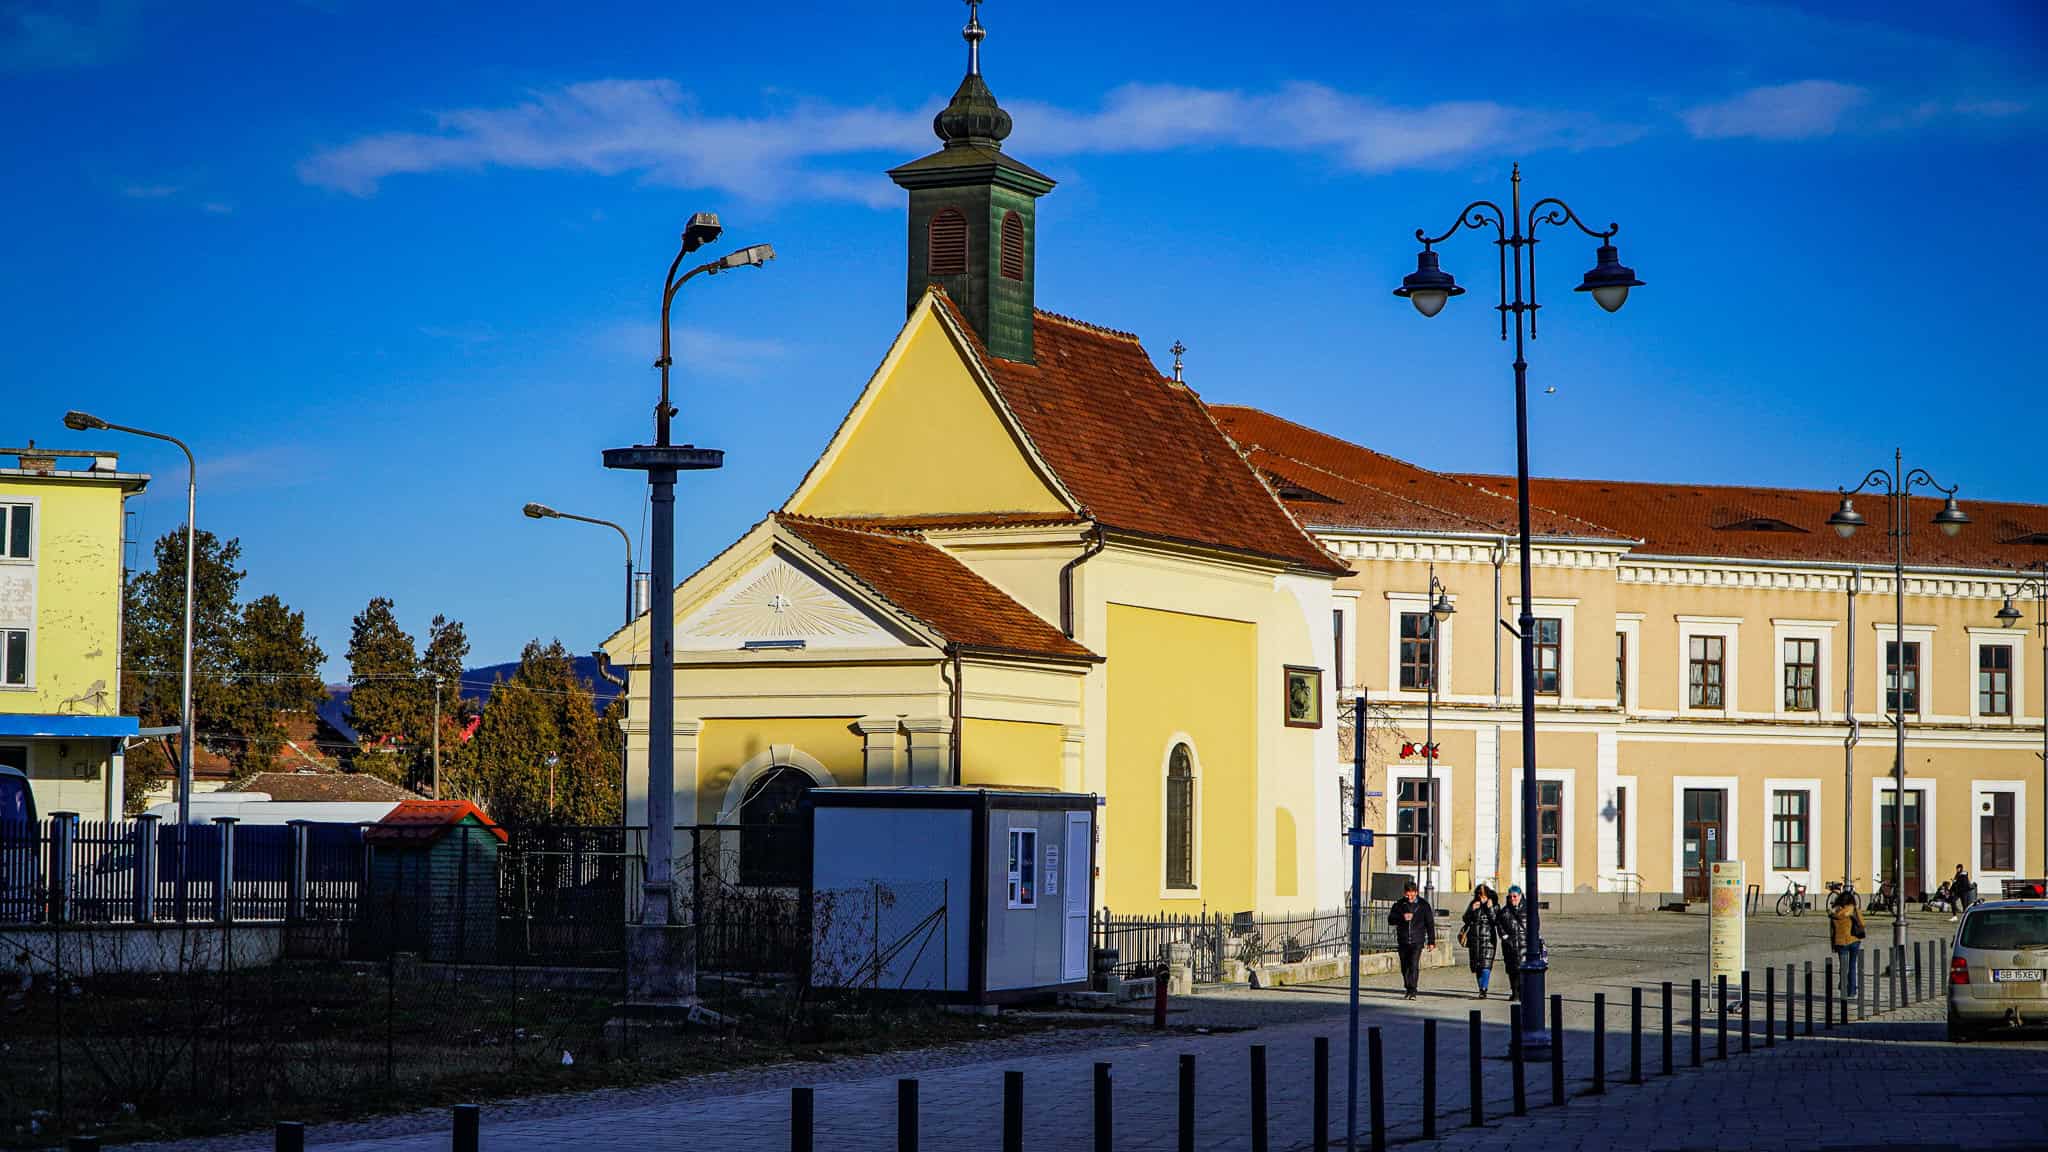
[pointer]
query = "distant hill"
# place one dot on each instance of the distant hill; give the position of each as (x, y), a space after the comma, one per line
(476, 686)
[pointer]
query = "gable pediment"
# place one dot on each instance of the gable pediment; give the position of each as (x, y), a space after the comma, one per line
(783, 602)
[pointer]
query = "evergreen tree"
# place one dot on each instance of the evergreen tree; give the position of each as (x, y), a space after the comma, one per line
(542, 753)
(152, 651)
(389, 703)
(277, 670)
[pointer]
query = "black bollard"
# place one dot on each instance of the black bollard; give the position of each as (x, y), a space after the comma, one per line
(1696, 1038)
(1809, 998)
(1103, 1126)
(1745, 1011)
(1771, 1007)
(1515, 1055)
(1667, 1028)
(1013, 1111)
(1791, 1001)
(1920, 972)
(1322, 1096)
(1827, 995)
(1376, 1070)
(906, 1115)
(1557, 1050)
(1721, 1016)
(1477, 1086)
(1187, 1102)
(1599, 1043)
(1258, 1098)
(291, 1136)
(1429, 1079)
(800, 1119)
(1635, 1034)
(466, 1124)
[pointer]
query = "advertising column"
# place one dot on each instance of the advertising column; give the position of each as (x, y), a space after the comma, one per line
(1726, 926)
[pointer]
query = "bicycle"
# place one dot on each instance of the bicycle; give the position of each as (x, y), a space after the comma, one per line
(1794, 900)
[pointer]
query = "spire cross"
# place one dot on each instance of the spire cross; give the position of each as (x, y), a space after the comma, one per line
(1177, 349)
(973, 34)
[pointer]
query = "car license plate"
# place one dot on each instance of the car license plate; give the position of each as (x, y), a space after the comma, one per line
(2015, 975)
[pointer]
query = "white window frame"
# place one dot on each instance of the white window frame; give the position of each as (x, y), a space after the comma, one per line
(1023, 848)
(15, 568)
(1931, 872)
(1981, 638)
(1565, 610)
(1823, 631)
(1630, 626)
(1194, 817)
(1923, 635)
(35, 528)
(1776, 879)
(1562, 877)
(28, 672)
(1728, 628)
(1344, 601)
(1403, 602)
(1444, 809)
(1730, 804)
(1632, 864)
(1980, 791)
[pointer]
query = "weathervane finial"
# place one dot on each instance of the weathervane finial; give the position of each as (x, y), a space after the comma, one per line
(1177, 349)
(973, 34)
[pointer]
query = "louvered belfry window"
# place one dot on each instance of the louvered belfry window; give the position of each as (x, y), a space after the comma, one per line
(947, 253)
(1013, 246)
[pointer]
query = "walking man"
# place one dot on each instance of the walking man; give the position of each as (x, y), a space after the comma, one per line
(1959, 892)
(1414, 924)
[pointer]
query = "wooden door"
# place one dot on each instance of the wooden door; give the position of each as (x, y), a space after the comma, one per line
(1705, 837)
(1914, 882)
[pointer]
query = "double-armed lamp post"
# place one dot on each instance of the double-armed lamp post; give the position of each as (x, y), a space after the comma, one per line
(659, 968)
(1897, 486)
(1429, 287)
(2037, 587)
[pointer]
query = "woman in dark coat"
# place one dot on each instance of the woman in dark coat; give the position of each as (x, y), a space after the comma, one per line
(1513, 922)
(1479, 935)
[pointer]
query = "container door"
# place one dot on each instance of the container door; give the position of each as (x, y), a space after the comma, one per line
(1074, 941)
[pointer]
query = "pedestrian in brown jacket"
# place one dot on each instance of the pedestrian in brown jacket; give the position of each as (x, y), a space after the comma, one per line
(1845, 933)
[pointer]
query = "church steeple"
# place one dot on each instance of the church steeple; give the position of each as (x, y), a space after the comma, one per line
(973, 213)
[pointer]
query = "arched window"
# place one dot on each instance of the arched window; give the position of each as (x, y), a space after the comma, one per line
(1013, 246)
(946, 252)
(1180, 818)
(771, 841)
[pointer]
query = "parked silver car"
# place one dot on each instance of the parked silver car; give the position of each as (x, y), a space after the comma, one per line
(1998, 974)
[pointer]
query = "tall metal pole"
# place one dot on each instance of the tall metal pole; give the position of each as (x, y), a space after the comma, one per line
(1900, 495)
(1357, 906)
(1429, 748)
(437, 737)
(1849, 742)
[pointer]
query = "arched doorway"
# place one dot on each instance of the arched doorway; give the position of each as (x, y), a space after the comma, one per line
(771, 838)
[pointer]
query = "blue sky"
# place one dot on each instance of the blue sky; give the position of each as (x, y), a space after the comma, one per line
(393, 269)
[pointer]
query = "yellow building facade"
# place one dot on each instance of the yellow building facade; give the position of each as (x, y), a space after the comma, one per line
(61, 527)
(1711, 648)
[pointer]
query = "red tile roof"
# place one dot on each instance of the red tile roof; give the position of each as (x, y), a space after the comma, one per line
(309, 785)
(1791, 523)
(424, 821)
(1140, 453)
(929, 585)
(942, 521)
(1384, 492)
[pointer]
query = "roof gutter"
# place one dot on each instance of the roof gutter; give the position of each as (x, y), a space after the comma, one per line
(1830, 565)
(1067, 580)
(1477, 537)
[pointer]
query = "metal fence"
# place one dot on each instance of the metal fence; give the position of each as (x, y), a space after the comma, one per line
(1142, 942)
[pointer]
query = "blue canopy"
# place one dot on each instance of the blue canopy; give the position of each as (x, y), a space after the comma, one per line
(57, 725)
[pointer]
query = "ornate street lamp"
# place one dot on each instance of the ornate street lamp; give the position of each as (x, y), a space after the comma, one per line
(658, 969)
(1429, 287)
(1440, 610)
(2037, 587)
(1896, 486)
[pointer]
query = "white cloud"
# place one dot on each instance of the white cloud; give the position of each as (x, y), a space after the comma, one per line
(150, 191)
(653, 128)
(1799, 111)
(697, 351)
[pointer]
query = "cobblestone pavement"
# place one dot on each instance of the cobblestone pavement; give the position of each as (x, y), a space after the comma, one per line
(1768, 1098)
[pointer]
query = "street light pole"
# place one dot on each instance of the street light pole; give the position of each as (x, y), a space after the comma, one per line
(2008, 615)
(1897, 488)
(1429, 287)
(1440, 609)
(659, 971)
(543, 512)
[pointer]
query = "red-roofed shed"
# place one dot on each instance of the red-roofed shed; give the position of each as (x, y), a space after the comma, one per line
(434, 881)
